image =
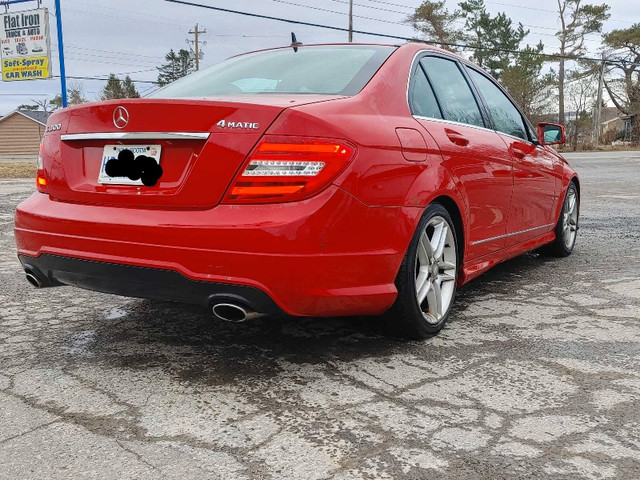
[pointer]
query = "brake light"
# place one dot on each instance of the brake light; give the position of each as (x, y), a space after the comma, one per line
(41, 178)
(289, 169)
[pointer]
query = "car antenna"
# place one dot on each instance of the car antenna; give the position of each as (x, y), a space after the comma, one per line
(294, 42)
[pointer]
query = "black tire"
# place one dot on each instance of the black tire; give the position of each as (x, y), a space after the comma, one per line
(406, 318)
(559, 247)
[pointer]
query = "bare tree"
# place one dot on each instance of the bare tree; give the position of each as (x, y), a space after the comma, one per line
(576, 21)
(44, 105)
(624, 90)
(581, 93)
(75, 95)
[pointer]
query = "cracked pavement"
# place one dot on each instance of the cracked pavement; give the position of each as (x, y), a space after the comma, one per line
(536, 375)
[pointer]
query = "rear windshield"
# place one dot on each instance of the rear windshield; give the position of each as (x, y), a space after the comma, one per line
(331, 70)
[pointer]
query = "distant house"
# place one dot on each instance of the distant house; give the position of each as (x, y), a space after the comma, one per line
(20, 134)
(615, 125)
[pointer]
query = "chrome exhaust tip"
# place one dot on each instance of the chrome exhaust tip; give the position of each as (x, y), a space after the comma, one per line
(33, 280)
(233, 313)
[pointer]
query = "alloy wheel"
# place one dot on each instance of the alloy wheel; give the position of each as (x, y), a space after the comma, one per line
(435, 269)
(570, 219)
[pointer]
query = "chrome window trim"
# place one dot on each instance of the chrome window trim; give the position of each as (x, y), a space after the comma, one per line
(452, 122)
(511, 234)
(534, 140)
(413, 62)
(457, 61)
(136, 136)
(526, 140)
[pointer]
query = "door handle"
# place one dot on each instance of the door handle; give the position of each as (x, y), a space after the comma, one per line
(518, 152)
(456, 138)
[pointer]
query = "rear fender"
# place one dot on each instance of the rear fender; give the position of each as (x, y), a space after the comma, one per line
(434, 184)
(568, 175)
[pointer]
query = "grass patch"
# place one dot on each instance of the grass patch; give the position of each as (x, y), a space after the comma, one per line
(17, 170)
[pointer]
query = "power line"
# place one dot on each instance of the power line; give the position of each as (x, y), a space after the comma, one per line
(382, 2)
(390, 36)
(103, 79)
(380, 9)
(151, 22)
(544, 10)
(336, 12)
(461, 20)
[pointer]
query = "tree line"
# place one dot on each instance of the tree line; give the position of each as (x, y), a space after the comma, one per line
(176, 65)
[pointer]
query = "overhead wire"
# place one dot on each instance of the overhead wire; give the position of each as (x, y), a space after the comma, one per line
(387, 35)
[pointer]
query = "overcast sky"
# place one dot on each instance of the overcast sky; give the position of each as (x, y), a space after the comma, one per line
(132, 36)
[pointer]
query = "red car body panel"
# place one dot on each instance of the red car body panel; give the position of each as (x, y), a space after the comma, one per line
(335, 253)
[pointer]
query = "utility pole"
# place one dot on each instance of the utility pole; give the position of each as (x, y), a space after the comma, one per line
(196, 44)
(350, 21)
(63, 72)
(596, 117)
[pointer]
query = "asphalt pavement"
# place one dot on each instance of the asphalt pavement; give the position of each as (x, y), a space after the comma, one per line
(536, 375)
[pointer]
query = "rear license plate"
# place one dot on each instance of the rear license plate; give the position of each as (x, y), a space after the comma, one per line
(112, 151)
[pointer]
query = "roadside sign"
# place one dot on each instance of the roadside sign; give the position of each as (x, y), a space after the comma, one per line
(25, 45)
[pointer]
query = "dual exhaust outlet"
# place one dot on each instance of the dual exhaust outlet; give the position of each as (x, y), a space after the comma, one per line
(229, 312)
(234, 313)
(33, 280)
(37, 279)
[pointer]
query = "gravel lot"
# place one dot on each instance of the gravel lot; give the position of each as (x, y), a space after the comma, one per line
(537, 374)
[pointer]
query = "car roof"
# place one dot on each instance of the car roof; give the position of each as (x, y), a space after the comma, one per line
(414, 45)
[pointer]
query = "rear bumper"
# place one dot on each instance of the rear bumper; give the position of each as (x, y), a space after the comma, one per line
(143, 282)
(329, 255)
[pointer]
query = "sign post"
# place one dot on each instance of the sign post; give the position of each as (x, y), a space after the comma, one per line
(63, 73)
(25, 45)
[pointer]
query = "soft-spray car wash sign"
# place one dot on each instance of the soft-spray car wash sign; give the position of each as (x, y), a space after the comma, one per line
(24, 45)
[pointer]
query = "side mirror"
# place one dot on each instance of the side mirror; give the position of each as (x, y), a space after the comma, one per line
(551, 134)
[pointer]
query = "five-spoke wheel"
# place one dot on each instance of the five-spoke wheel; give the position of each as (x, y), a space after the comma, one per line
(435, 269)
(570, 219)
(427, 278)
(567, 227)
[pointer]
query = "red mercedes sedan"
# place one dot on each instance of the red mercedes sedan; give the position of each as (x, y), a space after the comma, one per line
(320, 180)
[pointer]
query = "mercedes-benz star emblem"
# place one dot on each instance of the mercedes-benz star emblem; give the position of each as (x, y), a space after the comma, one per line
(120, 117)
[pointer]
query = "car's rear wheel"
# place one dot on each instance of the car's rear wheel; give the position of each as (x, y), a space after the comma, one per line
(427, 278)
(567, 226)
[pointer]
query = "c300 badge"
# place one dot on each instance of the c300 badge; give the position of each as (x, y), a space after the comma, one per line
(243, 125)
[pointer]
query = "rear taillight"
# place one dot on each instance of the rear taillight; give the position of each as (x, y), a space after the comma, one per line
(41, 177)
(288, 169)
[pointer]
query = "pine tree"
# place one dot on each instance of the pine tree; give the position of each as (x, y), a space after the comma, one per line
(494, 38)
(178, 65)
(436, 23)
(113, 89)
(129, 89)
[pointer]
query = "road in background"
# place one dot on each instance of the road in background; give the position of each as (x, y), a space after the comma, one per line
(536, 375)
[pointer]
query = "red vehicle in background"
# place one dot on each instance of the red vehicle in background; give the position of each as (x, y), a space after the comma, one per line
(323, 180)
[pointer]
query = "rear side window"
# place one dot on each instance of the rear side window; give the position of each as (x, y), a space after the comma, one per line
(331, 70)
(505, 116)
(422, 99)
(453, 92)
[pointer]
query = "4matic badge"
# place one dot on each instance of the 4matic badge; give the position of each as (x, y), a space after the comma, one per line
(243, 125)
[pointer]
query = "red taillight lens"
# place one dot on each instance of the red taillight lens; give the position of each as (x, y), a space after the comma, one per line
(41, 178)
(289, 169)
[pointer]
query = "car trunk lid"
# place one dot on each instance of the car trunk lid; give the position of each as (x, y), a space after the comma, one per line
(202, 144)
